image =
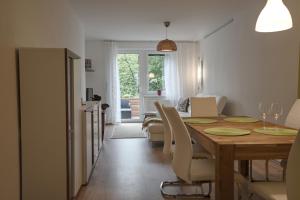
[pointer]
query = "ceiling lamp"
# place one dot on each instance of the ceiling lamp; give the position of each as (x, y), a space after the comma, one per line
(166, 45)
(274, 17)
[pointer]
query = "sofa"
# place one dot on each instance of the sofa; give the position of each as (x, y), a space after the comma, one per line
(155, 130)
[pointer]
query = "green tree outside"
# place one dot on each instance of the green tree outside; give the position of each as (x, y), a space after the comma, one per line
(156, 68)
(128, 74)
(129, 70)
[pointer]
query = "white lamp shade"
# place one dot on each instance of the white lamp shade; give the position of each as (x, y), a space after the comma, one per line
(274, 17)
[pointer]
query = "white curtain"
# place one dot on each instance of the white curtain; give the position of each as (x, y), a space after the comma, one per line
(113, 84)
(172, 84)
(181, 72)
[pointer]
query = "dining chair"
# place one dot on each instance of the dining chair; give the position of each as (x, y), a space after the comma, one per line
(167, 130)
(293, 117)
(169, 147)
(204, 107)
(292, 121)
(189, 171)
(288, 190)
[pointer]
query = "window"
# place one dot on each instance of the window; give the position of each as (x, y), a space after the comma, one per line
(156, 79)
(128, 74)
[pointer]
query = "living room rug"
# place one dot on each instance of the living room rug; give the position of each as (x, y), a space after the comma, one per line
(128, 130)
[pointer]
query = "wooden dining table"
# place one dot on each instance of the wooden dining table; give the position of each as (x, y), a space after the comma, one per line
(227, 149)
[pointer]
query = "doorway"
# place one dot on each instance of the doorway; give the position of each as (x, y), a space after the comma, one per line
(142, 81)
(129, 70)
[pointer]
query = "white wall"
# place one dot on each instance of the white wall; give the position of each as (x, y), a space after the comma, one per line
(31, 23)
(249, 67)
(9, 167)
(95, 50)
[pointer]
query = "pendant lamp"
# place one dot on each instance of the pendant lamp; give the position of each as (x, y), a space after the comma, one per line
(166, 45)
(274, 17)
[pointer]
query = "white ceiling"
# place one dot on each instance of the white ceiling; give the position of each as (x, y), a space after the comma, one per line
(134, 20)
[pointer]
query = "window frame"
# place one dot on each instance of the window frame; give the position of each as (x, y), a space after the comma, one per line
(143, 70)
(154, 93)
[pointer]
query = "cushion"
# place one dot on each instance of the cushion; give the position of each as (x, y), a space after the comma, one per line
(183, 105)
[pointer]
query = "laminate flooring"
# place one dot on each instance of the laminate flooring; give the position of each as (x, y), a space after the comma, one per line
(132, 169)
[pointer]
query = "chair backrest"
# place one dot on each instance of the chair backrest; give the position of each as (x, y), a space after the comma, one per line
(167, 130)
(204, 107)
(293, 118)
(182, 156)
(220, 100)
(292, 171)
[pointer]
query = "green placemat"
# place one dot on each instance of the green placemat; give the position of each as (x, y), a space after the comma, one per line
(241, 119)
(199, 120)
(227, 131)
(276, 131)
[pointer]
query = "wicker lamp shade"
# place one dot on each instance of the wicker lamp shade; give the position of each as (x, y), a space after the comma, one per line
(166, 45)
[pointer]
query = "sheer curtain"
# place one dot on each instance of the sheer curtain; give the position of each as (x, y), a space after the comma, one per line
(172, 83)
(181, 72)
(113, 84)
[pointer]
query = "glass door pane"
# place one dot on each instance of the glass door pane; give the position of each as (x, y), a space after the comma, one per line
(128, 65)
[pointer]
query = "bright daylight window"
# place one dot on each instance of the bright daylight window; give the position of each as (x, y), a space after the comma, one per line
(156, 79)
(128, 72)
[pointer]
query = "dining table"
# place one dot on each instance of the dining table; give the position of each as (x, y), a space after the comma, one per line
(228, 149)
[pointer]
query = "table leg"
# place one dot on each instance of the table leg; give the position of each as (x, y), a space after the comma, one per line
(244, 167)
(224, 172)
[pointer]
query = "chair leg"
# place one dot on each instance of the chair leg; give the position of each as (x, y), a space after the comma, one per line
(183, 195)
(267, 170)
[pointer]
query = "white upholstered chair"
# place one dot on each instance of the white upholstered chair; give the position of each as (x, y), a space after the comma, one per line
(293, 118)
(281, 190)
(168, 136)
(167, 130)
(204, 107)
(188, 170)
(271, 190)
(292, 173)
(292, 121)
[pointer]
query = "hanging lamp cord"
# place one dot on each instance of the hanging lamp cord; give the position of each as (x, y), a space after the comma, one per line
(167, 24)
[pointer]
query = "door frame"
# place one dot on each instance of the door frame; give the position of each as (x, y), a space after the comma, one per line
(140, 83)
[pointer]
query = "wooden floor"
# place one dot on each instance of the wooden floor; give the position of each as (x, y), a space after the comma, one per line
(132, 169)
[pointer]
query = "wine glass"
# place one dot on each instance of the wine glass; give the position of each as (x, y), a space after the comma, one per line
(276, 111)
(264, 110)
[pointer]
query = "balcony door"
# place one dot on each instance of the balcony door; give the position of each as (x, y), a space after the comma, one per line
(129, 73)
(141, 74)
